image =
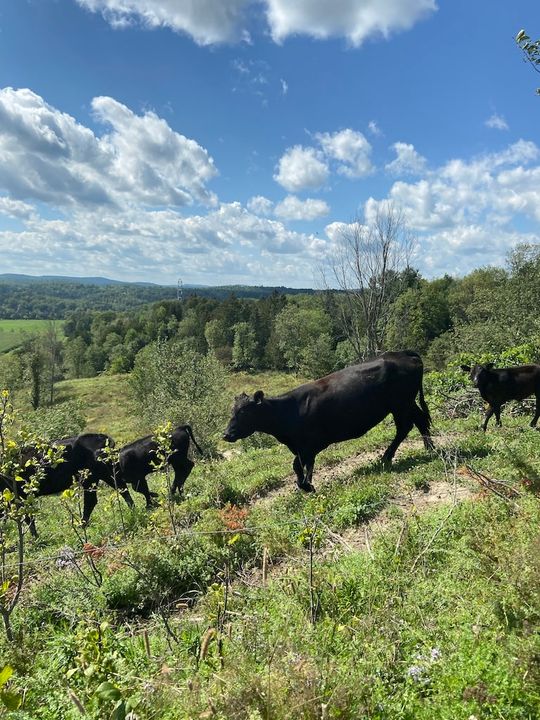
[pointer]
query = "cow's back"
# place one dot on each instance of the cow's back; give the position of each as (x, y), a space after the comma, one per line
(349, 402)
(138, 457)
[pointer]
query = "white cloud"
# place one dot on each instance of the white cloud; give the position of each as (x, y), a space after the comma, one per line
(228, 242)
(47, 155)
(374, 128)
(350, 149)
(292, 208)
(465, 247)
(301, 168)
(284, 86)
(467, 213)
(15, 208)
(354, 19)
(260, 205)
(207, 21)
(407, 162)
(497, 122)
(215, 21)
(156, 164)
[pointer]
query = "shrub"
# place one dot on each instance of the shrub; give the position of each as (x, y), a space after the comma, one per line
(58, 421)
(173, 382)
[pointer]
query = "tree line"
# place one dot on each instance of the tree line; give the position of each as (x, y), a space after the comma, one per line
(485, 312)
(34, 298)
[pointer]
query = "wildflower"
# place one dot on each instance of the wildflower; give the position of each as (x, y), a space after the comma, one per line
(65, 558)
(416, 672)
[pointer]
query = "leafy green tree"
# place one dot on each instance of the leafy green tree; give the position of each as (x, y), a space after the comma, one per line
(35, 366)
(531, 51)
(318, 358)
(219, 339)
(173, 382)
(244, 352)
(11, 372)
(419, 315)
(75, 356)
(295, 328)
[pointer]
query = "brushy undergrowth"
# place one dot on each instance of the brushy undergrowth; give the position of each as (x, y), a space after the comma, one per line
(240, 602)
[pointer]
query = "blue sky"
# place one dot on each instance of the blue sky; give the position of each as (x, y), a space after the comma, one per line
(233, 141)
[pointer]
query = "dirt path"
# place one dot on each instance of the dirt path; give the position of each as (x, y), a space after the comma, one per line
(328, 474)
(440, 492)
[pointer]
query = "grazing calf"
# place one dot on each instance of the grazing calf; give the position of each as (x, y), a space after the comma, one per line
(498, 386)
(80, 453)
(140, 458)
(340, 406)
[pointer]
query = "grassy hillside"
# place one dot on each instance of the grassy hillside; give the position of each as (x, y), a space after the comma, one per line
(13, 332)
(105, 399)
(403, 595)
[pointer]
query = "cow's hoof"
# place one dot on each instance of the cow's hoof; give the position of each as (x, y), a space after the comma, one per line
(306, 487)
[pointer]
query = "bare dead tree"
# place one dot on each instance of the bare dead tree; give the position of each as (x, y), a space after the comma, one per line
(369, 267)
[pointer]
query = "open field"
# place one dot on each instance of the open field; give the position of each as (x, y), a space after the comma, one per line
(13, 332)
(403, 595)
(105, 399)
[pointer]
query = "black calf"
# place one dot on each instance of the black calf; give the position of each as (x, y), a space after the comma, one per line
(140, 458)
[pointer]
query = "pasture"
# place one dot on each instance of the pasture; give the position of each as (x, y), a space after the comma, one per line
(409, 594)
(14, 332)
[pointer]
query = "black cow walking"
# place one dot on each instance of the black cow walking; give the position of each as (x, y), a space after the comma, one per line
(140, 458)
(340, 406)
(80, 453)
(498, 386)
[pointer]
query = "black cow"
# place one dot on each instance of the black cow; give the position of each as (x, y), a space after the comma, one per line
(498, 386)
(340, 406)
(140, 458)
(80, 453)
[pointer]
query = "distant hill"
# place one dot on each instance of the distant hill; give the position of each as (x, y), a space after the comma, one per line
(54, 297)
(13, 277)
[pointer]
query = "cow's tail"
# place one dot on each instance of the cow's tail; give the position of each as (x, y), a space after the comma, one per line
(424, 406)
(424, 423)
(189, 431)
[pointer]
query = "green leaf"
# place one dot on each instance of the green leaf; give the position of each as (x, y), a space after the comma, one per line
(11, 700)
(5, 674)
(108, 691)
(119, 712)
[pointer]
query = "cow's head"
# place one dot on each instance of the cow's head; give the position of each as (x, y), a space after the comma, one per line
(477, 372)
(245, 413)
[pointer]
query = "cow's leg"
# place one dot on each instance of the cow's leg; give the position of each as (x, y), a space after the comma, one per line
(421, 420)
(116, 483)
(537, 411)
(30, 521)
(299, 470)
(182, 470)
(497, 411)
(404, 425)
(489, 413)
(303, 467)
(140, 484)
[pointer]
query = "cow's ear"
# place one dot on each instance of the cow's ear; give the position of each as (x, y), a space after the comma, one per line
(489, 366)
(258, 396)
(465, 368)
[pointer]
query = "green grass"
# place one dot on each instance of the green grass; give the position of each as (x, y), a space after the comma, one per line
(105, 404)
(14, 332)
(438, 621)
(105, 399)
